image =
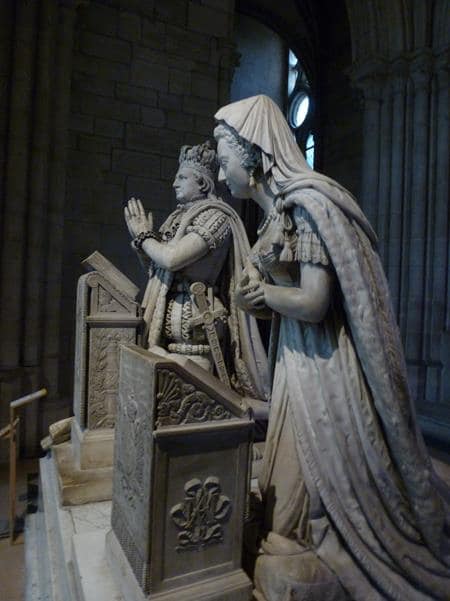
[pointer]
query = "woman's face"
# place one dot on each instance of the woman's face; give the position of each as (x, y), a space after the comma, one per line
(231, 171)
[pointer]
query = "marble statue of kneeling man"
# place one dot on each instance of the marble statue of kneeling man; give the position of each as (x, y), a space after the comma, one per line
(203, 240)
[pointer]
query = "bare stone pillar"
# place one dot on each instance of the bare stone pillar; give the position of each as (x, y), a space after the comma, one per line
(384, 182)
(37, 211)
(38, 195)
(405, 195)
(398, 82)
(421, 76)
(57, 189)
(33, 205)
(6, 40)
(14, 378)
(368, 78)
(441, 265)
(16, 193)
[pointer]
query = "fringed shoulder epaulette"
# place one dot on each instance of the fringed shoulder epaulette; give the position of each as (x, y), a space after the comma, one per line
(298, 236)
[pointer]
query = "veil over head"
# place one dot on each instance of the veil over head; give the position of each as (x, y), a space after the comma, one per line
(258, 120)
(350, 416)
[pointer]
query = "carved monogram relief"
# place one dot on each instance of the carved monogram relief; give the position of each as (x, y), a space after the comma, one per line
(104, 374)
(201, 515)
(178, 402)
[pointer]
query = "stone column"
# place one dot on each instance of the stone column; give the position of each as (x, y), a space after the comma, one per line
(16, 192)
(405, 195)
(57, 190)
(420, 76)
(6, 29)
(393, 259)
(33, 205)
(440, 309)
(37, 211)
(368, 78)
(384, 179)
(13, 378)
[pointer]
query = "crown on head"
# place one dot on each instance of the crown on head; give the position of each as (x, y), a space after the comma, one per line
(201, 157)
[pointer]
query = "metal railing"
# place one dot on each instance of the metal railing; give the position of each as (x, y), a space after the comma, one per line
(10, 432)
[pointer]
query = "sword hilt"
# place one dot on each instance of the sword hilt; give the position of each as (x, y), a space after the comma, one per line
(207, 318)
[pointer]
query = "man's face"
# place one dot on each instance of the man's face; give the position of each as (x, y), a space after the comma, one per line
(186, 186)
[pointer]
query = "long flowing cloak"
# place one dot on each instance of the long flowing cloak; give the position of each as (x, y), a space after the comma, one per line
(248, 355)
(386, 533)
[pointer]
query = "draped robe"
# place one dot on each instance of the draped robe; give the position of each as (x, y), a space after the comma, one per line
(344, 439)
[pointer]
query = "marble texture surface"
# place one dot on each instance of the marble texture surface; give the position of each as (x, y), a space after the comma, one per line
(49, 534)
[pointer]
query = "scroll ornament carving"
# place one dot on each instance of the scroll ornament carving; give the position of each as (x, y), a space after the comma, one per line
(104, 382)
(181, 403)
(132, 450)
(107, 303)
(201, 515)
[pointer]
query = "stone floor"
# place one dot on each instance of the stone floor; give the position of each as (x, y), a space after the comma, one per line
(12, 571)
(12, 577)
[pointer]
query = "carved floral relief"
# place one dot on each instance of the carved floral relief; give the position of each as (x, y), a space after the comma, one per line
(181, 403)
(104, 374)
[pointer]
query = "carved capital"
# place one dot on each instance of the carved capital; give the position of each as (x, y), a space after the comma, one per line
(442, 67)
(421, 69)
(369, 77)
(399, 75)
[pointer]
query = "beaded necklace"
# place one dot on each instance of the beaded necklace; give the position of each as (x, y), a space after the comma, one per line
(271, 216)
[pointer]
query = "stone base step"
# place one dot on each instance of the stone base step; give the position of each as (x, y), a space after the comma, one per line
(48, 539)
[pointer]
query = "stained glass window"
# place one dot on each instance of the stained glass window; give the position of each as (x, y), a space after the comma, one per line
(300, 107)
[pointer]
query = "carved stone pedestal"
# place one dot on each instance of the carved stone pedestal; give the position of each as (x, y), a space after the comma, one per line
(181, 474)
(107, 316)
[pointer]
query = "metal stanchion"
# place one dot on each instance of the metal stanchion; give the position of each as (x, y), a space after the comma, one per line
(10, 431)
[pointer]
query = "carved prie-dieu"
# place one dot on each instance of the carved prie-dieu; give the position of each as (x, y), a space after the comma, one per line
(178, 402)
(132, 467)
(107, 316)
(201, 515)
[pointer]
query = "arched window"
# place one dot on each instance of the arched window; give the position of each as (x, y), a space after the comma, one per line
(300, 107)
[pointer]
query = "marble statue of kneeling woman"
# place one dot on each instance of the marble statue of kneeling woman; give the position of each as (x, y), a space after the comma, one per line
(203, 240)
(353, 506)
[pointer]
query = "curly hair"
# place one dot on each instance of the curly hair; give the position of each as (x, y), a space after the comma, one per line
(205, 182)
(249, 154)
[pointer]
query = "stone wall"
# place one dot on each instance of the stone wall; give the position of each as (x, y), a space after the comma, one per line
(263, 61)
(143, 84)
(340, 109)
(116, 88)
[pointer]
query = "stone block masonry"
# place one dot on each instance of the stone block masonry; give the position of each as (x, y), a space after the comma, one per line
(97, 97)
(147, 78)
